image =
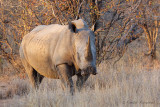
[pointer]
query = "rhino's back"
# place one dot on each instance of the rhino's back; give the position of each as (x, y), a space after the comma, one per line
(38, 47)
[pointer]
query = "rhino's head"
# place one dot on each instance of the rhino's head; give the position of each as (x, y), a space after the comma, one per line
(83, 41)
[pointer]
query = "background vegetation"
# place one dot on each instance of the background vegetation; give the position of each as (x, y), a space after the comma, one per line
(124, 66)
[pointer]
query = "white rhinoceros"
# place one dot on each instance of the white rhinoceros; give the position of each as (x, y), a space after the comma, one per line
(59, 52)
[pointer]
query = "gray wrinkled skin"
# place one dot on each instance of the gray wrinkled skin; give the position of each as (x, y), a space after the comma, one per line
(59, 52)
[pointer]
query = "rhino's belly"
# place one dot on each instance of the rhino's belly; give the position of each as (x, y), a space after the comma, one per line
(44, 67)
(47, 72)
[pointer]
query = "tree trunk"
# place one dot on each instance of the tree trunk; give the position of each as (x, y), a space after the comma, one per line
(151, 39)
(152, 49)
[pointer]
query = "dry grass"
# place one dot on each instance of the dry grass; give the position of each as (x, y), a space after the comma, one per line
(16, 87)
(111, 88)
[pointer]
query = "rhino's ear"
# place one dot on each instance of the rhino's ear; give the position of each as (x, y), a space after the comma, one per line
(95, 27)
(72, 27)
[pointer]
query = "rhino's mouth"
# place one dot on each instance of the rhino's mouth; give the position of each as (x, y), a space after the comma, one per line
(89, 70)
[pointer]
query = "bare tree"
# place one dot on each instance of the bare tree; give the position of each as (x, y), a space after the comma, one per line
(132, 17)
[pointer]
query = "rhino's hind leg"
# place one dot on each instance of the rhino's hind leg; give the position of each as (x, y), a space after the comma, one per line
(37, 78)
(34, 77)
(64, 72)
(81, 80)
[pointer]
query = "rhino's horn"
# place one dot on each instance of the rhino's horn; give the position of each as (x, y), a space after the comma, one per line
(88, 54)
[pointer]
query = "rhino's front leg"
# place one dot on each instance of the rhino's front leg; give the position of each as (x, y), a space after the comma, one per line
(81, 80)
(64, 72)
